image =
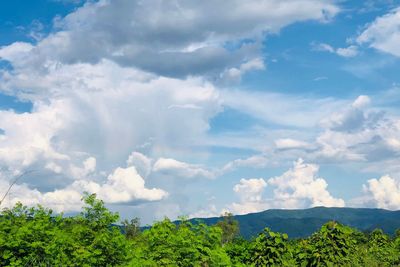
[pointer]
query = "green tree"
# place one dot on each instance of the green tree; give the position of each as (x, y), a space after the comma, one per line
(183, 244)
(25, 235)
(239, 251)
(36, 237)
(382, 249)
(229, 226)
(271, 249)
(332, 245)
(131, 228)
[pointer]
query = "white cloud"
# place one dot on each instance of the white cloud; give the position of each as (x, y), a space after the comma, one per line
(256, 161)
(288, 143)
(97, 106)
(89, 167)
(361, 101)
(250, 189)
(123, 186)
(300, 187)
(359, 134)
(348, 119)
(349, 132)
(297, 188)
(235, 74)
(383, 33)
(382, 193)
(250, 193)
(19, 149)
(99, 113)
(141, 162)
(323, 47)
(175, 168)
(172, 38)
(350, 51)
(15, 51)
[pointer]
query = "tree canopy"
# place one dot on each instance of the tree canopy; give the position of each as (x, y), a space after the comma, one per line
(35, 236)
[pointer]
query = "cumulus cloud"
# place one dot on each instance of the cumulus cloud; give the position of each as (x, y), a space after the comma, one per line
(87, 118)
(299, 187)
(250, 193)
(120, 104)
(349, 131)
(359, 134)
(250, 189)
(383, 33)
(382, 193)
(349, 119)
(123, 186)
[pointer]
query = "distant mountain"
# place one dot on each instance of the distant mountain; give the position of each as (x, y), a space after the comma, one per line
(302, 223)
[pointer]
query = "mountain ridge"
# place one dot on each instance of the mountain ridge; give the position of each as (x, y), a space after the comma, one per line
(298, 223)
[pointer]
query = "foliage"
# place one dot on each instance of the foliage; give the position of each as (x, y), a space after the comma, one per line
(131, 228)
(34, 237)
(37, 237)
(229, 226)
(332, 245)
(382, 249)
(185, 244)
(270, 249)
(239, 251)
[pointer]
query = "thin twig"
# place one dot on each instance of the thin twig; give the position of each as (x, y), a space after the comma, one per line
(12, 184)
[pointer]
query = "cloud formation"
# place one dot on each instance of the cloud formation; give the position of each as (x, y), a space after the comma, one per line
(299, 187)
(347, 52)
(123, 186)
(382, 193)
(383, 33)
(175, 168)
(176, 38)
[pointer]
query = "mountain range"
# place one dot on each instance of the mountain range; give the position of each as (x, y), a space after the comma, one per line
(304, 222)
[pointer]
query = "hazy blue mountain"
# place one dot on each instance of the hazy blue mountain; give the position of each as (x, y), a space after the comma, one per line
(302, 223)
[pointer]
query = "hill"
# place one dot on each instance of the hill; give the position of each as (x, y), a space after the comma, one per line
(302, 223)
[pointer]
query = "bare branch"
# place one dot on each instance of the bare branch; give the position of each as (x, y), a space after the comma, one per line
(12, 184)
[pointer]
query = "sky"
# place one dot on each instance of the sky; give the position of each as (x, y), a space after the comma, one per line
(196, 108)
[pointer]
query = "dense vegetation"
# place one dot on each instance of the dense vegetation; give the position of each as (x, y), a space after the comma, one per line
(37, 237)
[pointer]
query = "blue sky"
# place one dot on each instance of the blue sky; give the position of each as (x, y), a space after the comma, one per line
(168, 108)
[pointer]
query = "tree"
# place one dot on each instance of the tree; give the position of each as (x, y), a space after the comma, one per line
(271, 249)
(131, 228)
(183, 244)
(382, 249)
(239, 251)
(36, 237)
(332, 245)
(229, 226)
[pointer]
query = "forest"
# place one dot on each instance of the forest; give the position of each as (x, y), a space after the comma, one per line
(35, 236)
